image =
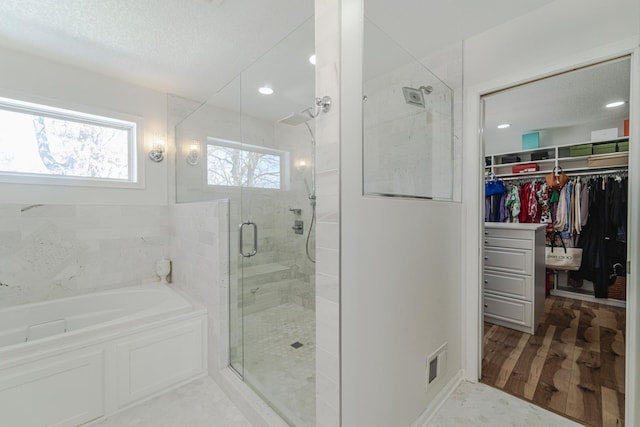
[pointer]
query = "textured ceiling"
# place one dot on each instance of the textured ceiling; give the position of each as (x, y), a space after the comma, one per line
(422, 27)
(186, 47)
(570, 99)
(193, 48)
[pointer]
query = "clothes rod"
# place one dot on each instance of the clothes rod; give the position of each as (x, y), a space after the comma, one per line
(570, 174)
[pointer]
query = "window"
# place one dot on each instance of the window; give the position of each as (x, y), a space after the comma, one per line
(230, 163)
(64, 146)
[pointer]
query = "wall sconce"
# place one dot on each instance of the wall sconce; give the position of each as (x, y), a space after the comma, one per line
(193, 155)
(301, 165)
(157, 149)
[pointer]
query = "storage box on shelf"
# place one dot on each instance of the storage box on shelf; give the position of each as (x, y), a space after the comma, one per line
(604, 134)
(581, 150)
(615, 159)
(570, 157)
(604, 148)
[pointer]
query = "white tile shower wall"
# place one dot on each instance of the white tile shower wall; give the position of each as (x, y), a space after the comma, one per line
(446, 63)
(327, 16)
(280, 248)
(50, 251)
(408, 149)
(199, 252)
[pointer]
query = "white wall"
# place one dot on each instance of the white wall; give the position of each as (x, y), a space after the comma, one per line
(39, 80)
(400, 276)
(556, 37)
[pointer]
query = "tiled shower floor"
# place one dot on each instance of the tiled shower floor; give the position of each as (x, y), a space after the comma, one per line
(282, 373)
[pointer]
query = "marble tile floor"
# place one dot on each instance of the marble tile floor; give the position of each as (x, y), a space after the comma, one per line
(479, 405)
(203, 404)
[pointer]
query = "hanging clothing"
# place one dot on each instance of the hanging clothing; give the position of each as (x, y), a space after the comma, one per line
(545, 206)
(577, 220)
(584, 204)
(604, 255)
(513, 204)
(560, 221)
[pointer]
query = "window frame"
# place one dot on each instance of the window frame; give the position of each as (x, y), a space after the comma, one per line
(132, 124)
(285, 167)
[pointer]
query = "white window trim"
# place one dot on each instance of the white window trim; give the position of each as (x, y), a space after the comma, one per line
(48, 108)
(285, 169)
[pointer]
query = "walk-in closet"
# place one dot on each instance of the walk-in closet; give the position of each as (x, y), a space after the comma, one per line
(555, 241)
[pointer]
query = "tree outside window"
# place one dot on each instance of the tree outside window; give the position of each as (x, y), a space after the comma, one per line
(232, 166)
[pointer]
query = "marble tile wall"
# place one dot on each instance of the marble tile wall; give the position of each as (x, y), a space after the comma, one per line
(51, 251)
(446, 63)
(407, 148)
(268, 208)
(327, 15)
(199, 238)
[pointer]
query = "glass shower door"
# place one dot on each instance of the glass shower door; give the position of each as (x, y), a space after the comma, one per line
(275, 292)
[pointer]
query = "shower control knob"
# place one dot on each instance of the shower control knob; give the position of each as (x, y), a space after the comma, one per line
(298, 226)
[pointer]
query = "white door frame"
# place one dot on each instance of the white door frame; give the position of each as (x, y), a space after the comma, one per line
(472, 189)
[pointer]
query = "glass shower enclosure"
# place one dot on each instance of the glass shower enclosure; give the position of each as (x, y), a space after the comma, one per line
(257, 150)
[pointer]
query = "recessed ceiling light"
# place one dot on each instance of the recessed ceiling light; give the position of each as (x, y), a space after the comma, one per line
(312, 59)
(504, 126)
(265, 90)
(615, 104)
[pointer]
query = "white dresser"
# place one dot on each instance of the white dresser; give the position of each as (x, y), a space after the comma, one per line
(514, 275)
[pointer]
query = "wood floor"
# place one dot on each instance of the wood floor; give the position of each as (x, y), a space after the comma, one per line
(574, 365)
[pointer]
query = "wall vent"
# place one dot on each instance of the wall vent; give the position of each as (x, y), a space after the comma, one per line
(436, 365)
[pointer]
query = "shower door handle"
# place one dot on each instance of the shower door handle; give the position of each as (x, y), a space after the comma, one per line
(255, 239)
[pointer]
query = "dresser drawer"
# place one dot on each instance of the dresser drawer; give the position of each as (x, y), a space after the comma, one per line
(518, 261)
(502, 242)
(510, 285)
(507, 311)
(508, 233)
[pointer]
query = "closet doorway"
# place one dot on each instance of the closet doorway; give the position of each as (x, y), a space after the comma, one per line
(556, 170)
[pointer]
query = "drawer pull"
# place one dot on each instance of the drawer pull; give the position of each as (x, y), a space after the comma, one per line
(486, 242)
(486, 282)
(486, 306)
(486, 258)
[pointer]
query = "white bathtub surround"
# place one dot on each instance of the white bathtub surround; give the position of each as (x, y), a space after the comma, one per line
(50, 251)
(201, 403)
(90, 356)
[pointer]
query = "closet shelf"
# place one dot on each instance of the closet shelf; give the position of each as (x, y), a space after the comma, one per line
(558, 156)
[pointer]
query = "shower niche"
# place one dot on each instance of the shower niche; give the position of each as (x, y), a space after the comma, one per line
(407, 123)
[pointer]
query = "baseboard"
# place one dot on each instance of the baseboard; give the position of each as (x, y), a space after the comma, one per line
(435, 405)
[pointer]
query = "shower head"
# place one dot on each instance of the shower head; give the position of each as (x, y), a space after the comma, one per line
(416, 96)
(294, 119)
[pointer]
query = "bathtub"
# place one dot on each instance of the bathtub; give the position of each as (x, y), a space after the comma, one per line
(77, 360)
